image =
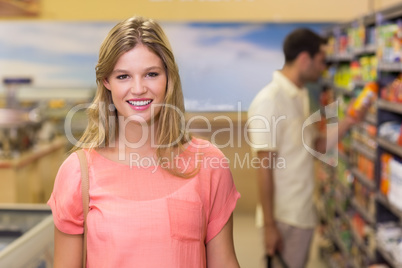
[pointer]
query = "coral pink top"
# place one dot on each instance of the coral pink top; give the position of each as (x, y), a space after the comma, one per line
(141, 215)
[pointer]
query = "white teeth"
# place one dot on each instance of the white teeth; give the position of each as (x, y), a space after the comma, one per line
(140, 103)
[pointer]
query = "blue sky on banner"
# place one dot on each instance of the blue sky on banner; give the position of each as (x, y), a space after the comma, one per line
(220, 64)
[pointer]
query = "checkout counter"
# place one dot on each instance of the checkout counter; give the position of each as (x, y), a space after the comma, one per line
(29, 177)
(32, 138)
(32, 148)
(26, 236)
(28, 164)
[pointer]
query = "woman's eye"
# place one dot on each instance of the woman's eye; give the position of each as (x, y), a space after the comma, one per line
(123, 76)
(152, 74)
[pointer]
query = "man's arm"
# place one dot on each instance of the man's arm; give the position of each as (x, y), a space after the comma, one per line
(334, 135)
(343, 127)
(265, 178)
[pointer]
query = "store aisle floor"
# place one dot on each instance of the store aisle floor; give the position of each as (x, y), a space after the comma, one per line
(249, 248)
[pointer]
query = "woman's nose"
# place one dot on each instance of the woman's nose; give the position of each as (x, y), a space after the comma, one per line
(137, 87)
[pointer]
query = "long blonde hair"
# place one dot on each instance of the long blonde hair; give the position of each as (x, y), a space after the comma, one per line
(103, 121)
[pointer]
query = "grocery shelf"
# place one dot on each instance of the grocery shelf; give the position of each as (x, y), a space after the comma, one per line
(356, 239)
(389, 66)
(363, 179)
(341, 246)
(366, 50)
(343, 156)
(363, 212)
(344, 188)
(386, 110)
(327, 82)
(344, 91)
(371, 119)
(331, 262)
(339, 242)
(363, 149)
(389, 106)
(382, 199)
(341, 57)
(319, 207)
(341, 212)
(360, 243)
(391, 13)
(390, 146)
(358, 83)
(387, 256)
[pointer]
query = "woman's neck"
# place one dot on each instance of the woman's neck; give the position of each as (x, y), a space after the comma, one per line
(134, 137)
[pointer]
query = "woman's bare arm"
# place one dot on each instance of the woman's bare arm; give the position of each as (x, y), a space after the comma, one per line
(67, 250)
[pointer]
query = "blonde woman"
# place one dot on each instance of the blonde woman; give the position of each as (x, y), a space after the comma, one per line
(158, 197)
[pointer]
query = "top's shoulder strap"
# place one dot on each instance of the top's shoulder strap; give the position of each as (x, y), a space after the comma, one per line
(85, 198)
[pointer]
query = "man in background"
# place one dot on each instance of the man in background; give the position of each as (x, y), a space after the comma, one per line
(278, 113)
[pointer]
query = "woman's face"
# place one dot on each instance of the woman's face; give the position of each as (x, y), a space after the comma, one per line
(138, 84)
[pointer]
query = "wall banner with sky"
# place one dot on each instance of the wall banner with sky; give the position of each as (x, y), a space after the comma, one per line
(221, 64)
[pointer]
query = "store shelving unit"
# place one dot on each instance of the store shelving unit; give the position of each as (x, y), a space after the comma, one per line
(344, 91)
(363, 179)
(384, 201)
(389, 106)
(364, 150)
(387, 256)
(385, 111)
(390, 66)
(368, 49)
(371, 119)
(389, 146)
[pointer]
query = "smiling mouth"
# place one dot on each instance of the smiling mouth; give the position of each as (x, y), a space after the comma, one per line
(140, 103)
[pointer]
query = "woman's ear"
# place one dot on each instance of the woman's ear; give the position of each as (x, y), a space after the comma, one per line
(106, 84)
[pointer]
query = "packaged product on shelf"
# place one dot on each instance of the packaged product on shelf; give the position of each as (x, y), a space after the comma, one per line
(365, 166)
(389, 237)
(365, 68)
(343, 44)
(371, 130)
(390, 131)
(397, 252)
(373, 68)
(365, 233)
(370, 169)
(356, 71)
(344, 175)
(345, 144)
(365, 134)
(343, 105)
(395, 189)
(326, 75)
(388, 49)
(331, 46)
(340, 199)
(368, 94)
(393, 91)
(399, 142)
(358, 225)
(360, 194)
(371, 36)
(397, 43)
(356, 37)
(368, 66)
(343, 77)
(385, 173)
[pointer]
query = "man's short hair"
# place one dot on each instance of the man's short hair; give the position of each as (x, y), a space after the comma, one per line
(302, 40)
